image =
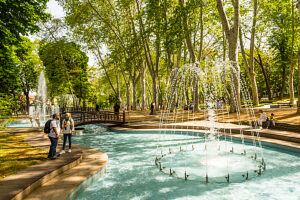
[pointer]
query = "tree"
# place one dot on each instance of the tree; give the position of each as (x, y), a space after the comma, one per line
(66, 68)
(291, 67)
(20, 18)
(232, 33)
(298, 103)
(29, 65)
(17, 18)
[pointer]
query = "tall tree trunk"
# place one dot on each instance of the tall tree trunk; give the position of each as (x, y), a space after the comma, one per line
(251, 62)
(128, 96)
(155, 91)
(283, 83)
(298, 104)
(250, 71)
(192, 56)
(27, 101)
(152, 69)
(265, 76)
(118, 85)
(232, 34)
(143, 90)
(127, 83)
(201, 33)
(224, 46)
(291, 68)
(134, 95)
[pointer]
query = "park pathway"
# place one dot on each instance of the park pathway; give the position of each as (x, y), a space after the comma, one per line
(52, 179)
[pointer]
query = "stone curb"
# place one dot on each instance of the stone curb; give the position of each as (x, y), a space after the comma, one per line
(227, 130)
(46, 178)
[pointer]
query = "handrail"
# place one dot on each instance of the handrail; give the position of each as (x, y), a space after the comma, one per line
(90, 115)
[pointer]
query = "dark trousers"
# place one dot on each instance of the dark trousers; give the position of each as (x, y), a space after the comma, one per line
(67, 136)
(52, 150)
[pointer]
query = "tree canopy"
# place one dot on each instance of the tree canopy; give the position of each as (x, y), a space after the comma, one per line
(66, 68)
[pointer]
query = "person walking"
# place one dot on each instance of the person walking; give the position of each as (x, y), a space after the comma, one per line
(152, 108)
(68, 131)
(117, 110)
(53, 136)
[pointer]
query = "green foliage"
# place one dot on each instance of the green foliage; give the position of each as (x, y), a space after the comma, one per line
(18, 73)
(20, 18)
(17, 60)
(66, 68)
(9, 71)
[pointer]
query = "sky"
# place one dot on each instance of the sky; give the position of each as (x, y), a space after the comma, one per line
(57, 12)
(55, 9)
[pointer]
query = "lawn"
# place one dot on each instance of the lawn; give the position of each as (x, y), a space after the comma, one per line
(15, 154)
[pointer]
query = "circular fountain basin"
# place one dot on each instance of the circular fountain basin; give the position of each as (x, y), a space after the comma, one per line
(132, 174)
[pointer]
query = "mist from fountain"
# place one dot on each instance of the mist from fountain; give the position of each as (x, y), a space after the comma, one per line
(42, 96)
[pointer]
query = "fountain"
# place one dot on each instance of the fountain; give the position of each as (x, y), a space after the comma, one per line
(42, 96)
(215, 151)
(40, 112)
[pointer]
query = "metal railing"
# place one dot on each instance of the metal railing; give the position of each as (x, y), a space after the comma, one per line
(90, 115)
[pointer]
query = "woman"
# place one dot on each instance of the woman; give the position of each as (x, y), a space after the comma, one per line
(263, 118)
(68, 131)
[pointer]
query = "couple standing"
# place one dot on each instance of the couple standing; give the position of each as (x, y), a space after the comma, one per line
(67, 129)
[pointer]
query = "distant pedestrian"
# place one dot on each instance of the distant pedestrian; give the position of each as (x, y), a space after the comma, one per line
(31, 120)
(262, 118)
(38, 122)
(53, 136)
(117, 110)
(68, 130)
(152, 108)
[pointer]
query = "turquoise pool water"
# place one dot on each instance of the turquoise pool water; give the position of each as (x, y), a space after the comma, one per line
(24, 124)
(132, 174)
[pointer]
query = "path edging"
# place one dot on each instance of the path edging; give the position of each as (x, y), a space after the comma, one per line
(46, 178)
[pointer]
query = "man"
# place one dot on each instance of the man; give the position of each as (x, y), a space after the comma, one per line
(53, 136)
(117, 110)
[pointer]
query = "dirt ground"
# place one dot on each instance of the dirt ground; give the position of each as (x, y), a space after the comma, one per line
(283, 115)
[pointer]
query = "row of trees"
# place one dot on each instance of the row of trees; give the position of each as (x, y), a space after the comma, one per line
(19, 64)
(21, 60)
(139, 42)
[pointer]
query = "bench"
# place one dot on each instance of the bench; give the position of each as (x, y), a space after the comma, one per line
(285, 104)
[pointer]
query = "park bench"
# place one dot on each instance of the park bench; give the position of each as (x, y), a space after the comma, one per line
(285, 104)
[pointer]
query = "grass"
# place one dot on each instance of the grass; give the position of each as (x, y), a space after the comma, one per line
(4, 121)
(15, 154)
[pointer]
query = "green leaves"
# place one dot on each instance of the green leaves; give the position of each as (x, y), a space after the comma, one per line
(66, 68)
(20, 18)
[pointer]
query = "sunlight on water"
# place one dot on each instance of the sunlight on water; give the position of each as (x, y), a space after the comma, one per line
(132, 174)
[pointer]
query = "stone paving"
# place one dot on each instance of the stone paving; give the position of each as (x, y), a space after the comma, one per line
(52, 179)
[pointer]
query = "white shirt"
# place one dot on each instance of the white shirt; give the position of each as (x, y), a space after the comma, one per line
(53, 124)
(68, 126)
(263, 116)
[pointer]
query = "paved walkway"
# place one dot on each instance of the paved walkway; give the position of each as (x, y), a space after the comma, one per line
(52, 179)
(286, 138)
